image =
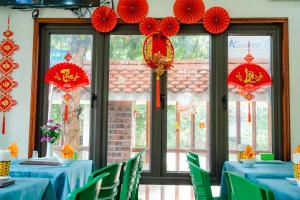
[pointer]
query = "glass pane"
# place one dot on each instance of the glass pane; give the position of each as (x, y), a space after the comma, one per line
(129, 100)
(256, 132)
(77, 128)
(188, 102)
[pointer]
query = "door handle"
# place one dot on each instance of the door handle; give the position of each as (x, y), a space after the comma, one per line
(225, 102)
(93, 99)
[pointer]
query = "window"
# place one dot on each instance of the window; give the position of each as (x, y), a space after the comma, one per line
(117, 116)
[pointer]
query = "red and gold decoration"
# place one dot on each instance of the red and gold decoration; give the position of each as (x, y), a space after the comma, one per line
(169, 26)
(7, 66)
(189, 11)
(68, 77)
(104, 19)
(249, 77)
(158, 53)
(216, 20)
(149, 25)
(132, 11)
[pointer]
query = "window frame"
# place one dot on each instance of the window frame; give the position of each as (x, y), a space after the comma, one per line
(279, 27)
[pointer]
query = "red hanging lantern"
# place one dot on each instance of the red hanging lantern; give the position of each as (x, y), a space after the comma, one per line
(132, 11)
(68, 77)
(158, 54)
(189, 11)
(249, 77)
(104, 19)
(216, 20)
(149, 25)
(169, 26)
(7, 66)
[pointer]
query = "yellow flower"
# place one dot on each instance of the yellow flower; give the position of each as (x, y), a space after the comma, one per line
(297, 150)
(67, 151)
(248, 153)
(13, 148)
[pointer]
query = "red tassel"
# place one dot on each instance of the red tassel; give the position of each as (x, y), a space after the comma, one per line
(66, 116)
(249, 112)
(157, 92)
(3, 125)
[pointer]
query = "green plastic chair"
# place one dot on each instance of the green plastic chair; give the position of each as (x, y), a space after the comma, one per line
(242, 188)
(135, 190)
(192, 159)
(228, 188)
(266, 156)
(129, 178)
(110, 184)
(89, 191)
(201, 183)
(194, 156)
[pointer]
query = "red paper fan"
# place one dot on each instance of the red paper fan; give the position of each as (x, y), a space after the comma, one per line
(132, 11)
(169, 26)
(104, 19)
(189, 11)
(216, 20)
(149, 25)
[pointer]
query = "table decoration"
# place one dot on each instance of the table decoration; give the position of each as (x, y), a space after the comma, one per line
(240, 151)
(296, 162)
(4, 162)
(51, 132)
(248, 156)
(13, 148)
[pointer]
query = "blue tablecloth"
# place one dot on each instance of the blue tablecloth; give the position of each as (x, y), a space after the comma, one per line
(282, 189)
(63, 178)
(28, 189)
(260, 170)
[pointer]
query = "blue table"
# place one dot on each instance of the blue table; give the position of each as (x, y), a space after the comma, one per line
(282, 189)
(261, 170)
(64, 179)
(28, 189)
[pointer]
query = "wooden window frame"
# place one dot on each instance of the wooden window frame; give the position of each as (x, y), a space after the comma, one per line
(285, 93)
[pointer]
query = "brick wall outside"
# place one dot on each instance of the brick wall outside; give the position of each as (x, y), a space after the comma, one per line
(119, 131)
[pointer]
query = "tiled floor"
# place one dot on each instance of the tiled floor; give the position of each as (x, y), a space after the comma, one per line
(170, 192)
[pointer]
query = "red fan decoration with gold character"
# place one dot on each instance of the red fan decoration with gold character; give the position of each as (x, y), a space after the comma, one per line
(189, 11)
(68, 77)
(249, 77)
(104, 19)
(132, 11)
(216, 20)
(169, 26)
(149, 25)
(7, 66)
(158, 53)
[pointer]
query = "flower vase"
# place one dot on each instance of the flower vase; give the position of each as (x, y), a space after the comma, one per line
(49, 153)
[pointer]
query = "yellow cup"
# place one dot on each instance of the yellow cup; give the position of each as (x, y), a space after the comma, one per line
(4, 168)
(297, 171)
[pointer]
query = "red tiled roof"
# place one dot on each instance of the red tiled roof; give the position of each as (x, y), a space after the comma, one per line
(186, 75)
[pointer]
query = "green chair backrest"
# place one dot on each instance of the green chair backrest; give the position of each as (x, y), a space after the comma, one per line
(194, 156)
(228, 188)
(89, 191)
(192, 159)
(201, 183)
(244, 189)
(110, 184)
(135, 190)
(267, 156)
(129, 178)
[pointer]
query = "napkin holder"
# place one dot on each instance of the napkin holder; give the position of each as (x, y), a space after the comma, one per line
(4, 162)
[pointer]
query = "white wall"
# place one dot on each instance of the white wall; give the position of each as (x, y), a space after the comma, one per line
(22, 25)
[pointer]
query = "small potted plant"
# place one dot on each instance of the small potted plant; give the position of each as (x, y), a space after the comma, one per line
(248, 157)
(51, 132)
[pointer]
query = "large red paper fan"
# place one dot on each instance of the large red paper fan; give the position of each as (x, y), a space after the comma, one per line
(67, 76)
(216, 20)
(149, 25)
(169, 26)
(189, 11)
(104, 19)
(132, 11)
